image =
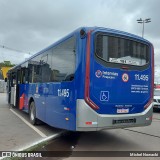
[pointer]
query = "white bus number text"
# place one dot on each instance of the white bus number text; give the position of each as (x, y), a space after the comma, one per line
(142, 77)
(63, 92)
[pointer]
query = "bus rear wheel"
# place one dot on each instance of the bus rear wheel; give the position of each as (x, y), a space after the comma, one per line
(32, 113)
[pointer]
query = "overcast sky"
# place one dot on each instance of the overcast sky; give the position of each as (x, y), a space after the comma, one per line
(31, 25)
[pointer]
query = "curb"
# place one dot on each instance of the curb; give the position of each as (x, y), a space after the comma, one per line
(35, 144)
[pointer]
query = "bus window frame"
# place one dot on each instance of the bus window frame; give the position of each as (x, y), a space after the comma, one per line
(121, 65)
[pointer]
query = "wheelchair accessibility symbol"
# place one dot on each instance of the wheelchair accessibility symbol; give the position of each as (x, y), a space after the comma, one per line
(104, 96)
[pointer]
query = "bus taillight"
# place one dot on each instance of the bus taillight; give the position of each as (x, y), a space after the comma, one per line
(87, 80)
(156, 86)
(148, 104)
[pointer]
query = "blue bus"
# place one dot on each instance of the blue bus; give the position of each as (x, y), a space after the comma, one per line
(92, 79)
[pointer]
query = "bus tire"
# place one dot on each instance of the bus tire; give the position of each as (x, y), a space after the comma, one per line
(32, 113)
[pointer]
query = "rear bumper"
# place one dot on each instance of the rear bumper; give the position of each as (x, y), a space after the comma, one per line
(88, 120)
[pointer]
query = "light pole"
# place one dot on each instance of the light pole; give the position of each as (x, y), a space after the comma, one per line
(142, 21)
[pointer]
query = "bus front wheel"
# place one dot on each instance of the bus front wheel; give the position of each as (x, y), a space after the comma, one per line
(32, 113)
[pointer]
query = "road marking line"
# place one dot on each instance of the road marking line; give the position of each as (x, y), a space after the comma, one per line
(30, 125)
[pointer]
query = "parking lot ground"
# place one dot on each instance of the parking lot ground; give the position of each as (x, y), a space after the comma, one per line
(16, 133)
(153, 129)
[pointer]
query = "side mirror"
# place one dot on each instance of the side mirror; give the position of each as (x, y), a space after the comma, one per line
(5, 79)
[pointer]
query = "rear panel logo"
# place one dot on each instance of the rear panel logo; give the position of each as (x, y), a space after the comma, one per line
(98, 74)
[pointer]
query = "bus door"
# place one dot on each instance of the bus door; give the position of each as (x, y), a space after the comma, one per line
(12, 88)
(9, 87)
(22, 80)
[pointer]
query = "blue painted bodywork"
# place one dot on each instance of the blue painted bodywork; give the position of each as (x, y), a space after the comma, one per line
(50, 107)
(132, 95)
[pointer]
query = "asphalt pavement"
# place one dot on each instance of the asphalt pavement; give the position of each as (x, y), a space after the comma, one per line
(16, 133)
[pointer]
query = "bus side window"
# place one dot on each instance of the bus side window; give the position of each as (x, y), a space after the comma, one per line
(34, 67)
(26, 76)
(69, 77)
(63, 61)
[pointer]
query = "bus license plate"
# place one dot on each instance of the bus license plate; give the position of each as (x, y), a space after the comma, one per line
(123, 110)
(124, 121)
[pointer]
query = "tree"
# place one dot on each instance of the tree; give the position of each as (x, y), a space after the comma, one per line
(6, 64)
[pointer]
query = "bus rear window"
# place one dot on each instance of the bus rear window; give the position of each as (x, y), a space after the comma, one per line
(121, 50)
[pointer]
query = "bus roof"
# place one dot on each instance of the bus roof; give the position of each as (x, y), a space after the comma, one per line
(100, 29)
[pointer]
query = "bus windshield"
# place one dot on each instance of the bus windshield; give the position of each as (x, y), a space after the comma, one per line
(120, 50)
